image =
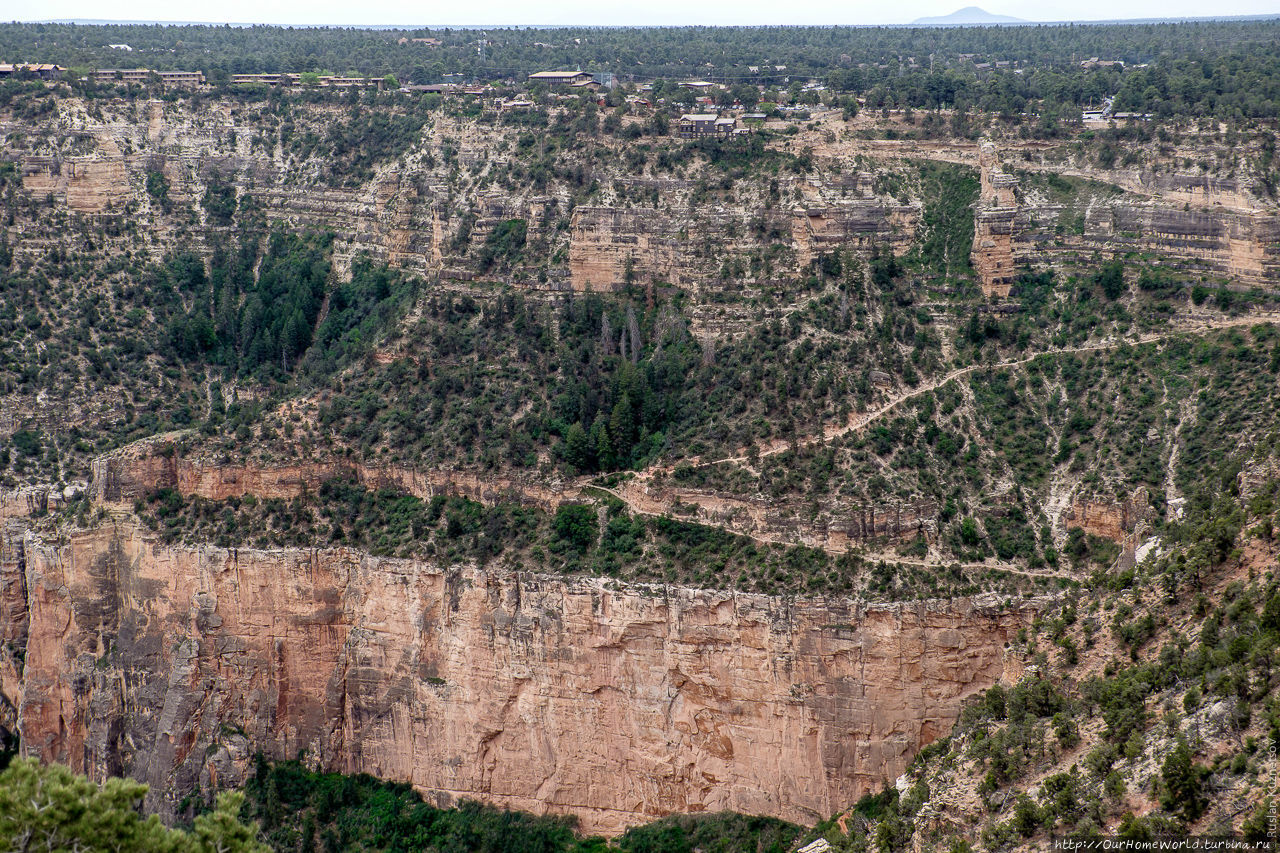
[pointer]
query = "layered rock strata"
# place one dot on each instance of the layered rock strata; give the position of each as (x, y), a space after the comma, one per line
(993, 226)
(1240, 245)
(615, 703)
(135, 472)
(1119, 521)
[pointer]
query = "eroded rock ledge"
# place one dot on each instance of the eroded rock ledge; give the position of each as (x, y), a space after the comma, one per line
(613, 702)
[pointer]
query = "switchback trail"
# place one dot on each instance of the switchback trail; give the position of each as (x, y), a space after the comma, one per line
(638, 508)
(639, 498)
(864, 419)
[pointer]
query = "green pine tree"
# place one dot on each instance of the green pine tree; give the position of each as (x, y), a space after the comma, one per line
(51, 808)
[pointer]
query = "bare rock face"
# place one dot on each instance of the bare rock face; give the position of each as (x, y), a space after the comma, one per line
(89, 184)
(861, 223)
(615, 703)
(137, 470)
(13, 620)
(1256, 475)
(1182, 219)
(608, 245)
(993, 225)
(1118, 521)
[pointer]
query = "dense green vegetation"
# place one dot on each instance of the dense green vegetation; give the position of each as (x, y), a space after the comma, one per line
(620, 383)
(327, 812)
(304, 811)
(250, 325)
(169, 334)
(1227, 69)
(360, 311)
(1088, 416)
(452, 530)
(951, 191)
(1195, 633)
(261, 326)
(711, 833)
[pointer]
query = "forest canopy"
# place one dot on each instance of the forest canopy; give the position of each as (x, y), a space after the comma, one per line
(1226, 69)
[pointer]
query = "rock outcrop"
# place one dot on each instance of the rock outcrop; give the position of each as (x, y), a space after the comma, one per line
(609, 247)
(689, 231)
(13, 620)
(860, 224)
(840, 527)
(615, 703)
(137, 470)
(1116, 520)
(993, 226)
(1240, 244)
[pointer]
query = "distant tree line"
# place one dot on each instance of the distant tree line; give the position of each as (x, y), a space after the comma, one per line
(1226, 69)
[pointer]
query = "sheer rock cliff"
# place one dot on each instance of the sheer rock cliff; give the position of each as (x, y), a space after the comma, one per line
(576, 695)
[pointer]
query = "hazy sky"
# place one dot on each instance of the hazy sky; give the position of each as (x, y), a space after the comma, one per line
(649, 12)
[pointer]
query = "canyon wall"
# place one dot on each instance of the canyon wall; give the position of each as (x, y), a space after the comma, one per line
(1218, 244)
(643, 228)
(610, 247)
(993, 225)
(860, 224)
(13, 620)
(134, 472)
(1117, 520)
(572, 695)
(1240, 244)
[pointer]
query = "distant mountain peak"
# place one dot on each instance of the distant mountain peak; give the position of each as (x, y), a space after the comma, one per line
(967, 15)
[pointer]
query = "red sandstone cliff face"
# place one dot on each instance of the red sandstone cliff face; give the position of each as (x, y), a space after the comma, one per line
(1119, 521)
(134, 472)
(577, 695)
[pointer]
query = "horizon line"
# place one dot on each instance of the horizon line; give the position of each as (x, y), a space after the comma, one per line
(1175, 19)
